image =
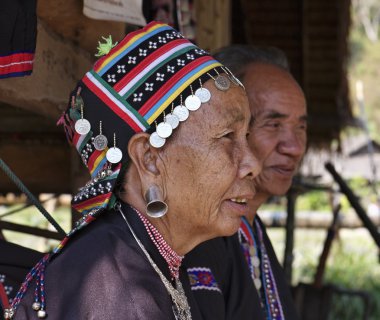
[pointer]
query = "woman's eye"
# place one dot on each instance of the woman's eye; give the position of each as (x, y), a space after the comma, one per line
(228, 135)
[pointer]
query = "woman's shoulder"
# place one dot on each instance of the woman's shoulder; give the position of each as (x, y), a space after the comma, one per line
(98, 266)
(96, 240)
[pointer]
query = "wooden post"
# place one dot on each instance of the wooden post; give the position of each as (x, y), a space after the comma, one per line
(289, 241)
(353, 199)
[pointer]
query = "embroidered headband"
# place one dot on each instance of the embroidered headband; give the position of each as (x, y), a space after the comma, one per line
(147, 83)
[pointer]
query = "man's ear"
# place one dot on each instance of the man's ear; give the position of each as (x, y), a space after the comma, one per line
(146, 161)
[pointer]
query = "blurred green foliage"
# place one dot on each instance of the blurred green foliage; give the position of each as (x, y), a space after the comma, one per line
(353, 263)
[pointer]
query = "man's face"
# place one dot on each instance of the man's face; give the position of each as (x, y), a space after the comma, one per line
(278, 136)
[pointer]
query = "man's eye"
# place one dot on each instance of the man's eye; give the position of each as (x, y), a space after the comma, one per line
(273, 124)
(303, 127)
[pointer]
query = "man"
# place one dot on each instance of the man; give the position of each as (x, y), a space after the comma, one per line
(240, 277)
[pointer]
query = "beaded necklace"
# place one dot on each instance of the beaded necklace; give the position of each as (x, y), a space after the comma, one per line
(181, 308)
(173, 259)
(270, 300)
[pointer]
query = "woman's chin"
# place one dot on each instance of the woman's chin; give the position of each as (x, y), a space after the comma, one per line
(229, 226)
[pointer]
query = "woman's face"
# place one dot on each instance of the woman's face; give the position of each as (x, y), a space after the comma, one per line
(208, 166)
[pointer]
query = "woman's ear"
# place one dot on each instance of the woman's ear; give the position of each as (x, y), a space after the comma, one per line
(144, 156)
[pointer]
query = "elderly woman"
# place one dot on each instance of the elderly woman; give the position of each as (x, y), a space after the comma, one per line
(162, 128)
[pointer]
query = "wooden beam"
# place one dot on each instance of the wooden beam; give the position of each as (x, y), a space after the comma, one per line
(66, 18)
(4, 225)
(58, 64)
(213, 24)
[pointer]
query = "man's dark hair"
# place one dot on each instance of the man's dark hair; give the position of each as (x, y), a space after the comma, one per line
(237, 57)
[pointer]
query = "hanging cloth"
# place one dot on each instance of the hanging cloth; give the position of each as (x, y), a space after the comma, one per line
(18, 30)
(129, 11)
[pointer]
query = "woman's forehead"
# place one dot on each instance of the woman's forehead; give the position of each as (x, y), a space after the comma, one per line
(224, 109)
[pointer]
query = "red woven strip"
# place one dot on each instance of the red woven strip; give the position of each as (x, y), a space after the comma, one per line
(20, 67)
(169, 84)
(16, 57)
(100, 198)
(3, 297)
(143, 64)
(110, 104)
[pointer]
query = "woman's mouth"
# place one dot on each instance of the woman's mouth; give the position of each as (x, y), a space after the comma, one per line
(238, 205)
(239, 200)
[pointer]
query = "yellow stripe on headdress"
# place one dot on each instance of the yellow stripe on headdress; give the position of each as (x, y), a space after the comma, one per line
(127, 44)
(180, 89)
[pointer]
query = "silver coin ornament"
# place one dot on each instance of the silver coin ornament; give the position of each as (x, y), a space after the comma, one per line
(203, 94)
(164, 130)
(257, 283)
(100, 142)
(173, 120)
(114, 155)
(192, 103)
(82, 126)
(222, 83)
(156, 141)
(181, 112)
(256, 272)
(255, 261)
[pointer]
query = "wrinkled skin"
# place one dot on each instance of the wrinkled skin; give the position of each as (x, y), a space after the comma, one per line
(203, 165)
(278, 136)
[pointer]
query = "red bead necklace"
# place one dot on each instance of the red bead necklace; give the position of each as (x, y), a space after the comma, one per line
(173, 259)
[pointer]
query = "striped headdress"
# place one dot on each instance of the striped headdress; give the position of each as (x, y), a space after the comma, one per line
(132, 89)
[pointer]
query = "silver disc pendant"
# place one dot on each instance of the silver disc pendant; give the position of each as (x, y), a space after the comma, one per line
(172, 119)
(203, 94)
(82, 126)
(114, 155)
(222, 83)
(192, 103)
(181, 112)
(156, 141)
(255, 261)
(164, 130)
(257, 283)
(100, 142)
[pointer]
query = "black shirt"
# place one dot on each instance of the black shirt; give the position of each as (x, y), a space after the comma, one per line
(102, 273)
(237, 299)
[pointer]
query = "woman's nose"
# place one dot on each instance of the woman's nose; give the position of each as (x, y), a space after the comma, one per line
(250, 166)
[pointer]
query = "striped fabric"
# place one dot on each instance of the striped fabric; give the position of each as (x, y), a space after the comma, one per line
(16, 64)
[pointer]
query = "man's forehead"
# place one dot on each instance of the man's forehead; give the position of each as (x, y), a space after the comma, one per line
(280, 114)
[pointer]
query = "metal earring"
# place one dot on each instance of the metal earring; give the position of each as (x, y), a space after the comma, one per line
(155, 205)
